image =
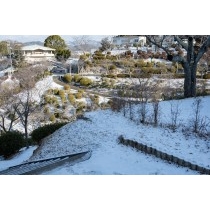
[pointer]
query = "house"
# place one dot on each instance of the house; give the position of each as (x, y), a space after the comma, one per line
(122, 40)
(37, 52)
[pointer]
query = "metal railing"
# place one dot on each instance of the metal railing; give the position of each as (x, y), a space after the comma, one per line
(39, 166)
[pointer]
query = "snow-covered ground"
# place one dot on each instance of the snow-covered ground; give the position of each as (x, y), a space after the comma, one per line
(100, 134)
(19, 158)
(42, 86)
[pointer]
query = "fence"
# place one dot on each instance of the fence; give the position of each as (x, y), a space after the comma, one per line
(162, 155)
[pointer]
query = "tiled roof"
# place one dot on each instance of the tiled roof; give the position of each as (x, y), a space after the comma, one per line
(36, 47)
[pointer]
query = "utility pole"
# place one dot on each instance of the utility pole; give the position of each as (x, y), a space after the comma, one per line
(9, 51)
(70, 68)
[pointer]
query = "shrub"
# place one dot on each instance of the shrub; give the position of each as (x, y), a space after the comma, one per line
(141, 63)
(63, 100)
(77, 78)
(112, 67)
(50, 91)
(78, 95)
(51, 100)
(98, 55)
(47, 99)
(44, 131)
(56, 91)
(83, 57)
(88, 63)
(71, 98)
(52, 118)
(67, 78)
(163, 70)
(80, 107)
(57, 115)
(67, 87)
(61, 93)
(95, 99)
(46, 110)
(206, 76)
(47, 73)
(178, 76)
(81, 91)
(85, 81)
(149, 64)
(11, 142)
(54, 101)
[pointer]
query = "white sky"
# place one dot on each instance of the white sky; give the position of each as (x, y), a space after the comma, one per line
(110, 17)
(29, 38)
(107, 17)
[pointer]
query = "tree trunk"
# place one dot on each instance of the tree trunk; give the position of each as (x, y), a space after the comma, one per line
(193, 80)
(190, 80)
(187, 82)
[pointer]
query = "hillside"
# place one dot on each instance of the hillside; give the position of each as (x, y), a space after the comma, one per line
(99, 132)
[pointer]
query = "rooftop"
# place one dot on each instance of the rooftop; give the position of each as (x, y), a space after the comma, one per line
(36, 47)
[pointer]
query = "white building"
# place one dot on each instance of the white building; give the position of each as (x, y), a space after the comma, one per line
(37, 52)
(122, 40)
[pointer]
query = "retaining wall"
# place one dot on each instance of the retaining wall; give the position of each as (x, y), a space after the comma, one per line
(162, 155)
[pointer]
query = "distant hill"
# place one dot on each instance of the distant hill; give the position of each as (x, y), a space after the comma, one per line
(92, 44)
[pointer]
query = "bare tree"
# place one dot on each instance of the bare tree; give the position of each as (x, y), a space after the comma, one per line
(82, 43)
(25, 101)
(143, 93)
(199, 123)
(156, 110)
(194, 46)
(175, 113)
(8, 115)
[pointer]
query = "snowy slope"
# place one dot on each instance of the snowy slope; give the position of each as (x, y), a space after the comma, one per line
(100, 134)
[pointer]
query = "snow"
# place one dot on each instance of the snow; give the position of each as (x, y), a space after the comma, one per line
(100, 132)
(103, 99)
(40, 88)
(23, 155)
(44, 85)
(94, 78)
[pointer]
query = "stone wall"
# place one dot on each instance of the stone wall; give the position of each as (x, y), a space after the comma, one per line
(162, 155)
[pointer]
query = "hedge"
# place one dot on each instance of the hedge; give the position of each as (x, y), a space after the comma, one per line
(44, 131)
(11, 142)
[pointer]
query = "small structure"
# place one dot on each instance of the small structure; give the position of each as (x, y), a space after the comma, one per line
(37, 52)
(58, 70)
(122, 40)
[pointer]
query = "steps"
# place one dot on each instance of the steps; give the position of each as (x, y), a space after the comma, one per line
(37, 167)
